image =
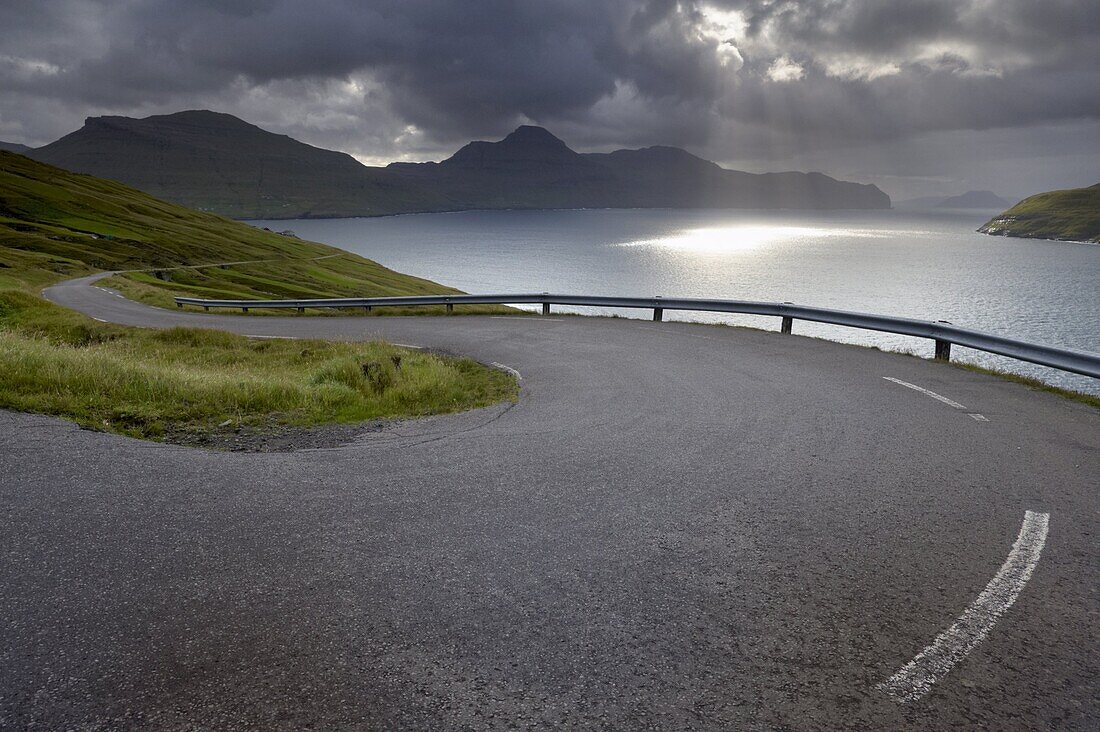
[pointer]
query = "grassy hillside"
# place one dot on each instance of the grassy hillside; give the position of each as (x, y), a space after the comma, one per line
(180, 382)
(55, 224)
(1071, 215)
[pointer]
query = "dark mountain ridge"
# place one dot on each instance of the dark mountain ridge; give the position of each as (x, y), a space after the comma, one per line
(219, 163)
(970, 199)
(14, 147)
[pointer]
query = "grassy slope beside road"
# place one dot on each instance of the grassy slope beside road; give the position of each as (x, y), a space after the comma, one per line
(54, 225)
(1070, 215)
(149, 383)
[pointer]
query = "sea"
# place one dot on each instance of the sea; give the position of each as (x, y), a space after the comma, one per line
(930, 265)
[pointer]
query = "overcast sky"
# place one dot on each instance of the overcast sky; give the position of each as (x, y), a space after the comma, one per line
(917, 96)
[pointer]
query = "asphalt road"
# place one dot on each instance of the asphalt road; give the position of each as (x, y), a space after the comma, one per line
(676, 527)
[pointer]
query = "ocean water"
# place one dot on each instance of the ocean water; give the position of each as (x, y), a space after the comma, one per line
(929, 265)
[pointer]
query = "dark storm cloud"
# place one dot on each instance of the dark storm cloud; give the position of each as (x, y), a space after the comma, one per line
(404, 77)
(891, 69)
(471, 65)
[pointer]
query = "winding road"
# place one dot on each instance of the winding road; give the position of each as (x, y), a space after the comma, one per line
(676, 527)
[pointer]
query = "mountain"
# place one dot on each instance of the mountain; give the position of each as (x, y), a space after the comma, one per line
(531, 168)
(219, 163)
(1069, 215)
(975, 199)
(14, 147)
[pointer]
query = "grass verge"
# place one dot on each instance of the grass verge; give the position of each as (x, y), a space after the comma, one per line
(1089, 399)
(261, 283)
(144, 383)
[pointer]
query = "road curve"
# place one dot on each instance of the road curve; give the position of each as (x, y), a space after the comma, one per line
(676, 527)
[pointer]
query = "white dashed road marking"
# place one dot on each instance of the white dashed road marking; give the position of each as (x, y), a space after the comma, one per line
(915, 678)
(939, 397)
(926, 392)
(110, 292)
(406, 345)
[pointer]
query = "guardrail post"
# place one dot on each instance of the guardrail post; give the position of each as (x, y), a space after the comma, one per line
(179, 305)
(450, 308)
(244, 310)
(658, 314)
(206, 308)
(943, 350)
(301, 310)
(367, 308)
(786, 325)
(546, 308)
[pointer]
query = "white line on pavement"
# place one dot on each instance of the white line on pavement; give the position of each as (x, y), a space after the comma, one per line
(978, 417)
(509, 369)
(406, 345)
(523, 317)
(286, 338)
(915, 678)
(926, 392)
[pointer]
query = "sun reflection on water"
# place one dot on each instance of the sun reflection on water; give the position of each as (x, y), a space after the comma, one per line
(733, 239)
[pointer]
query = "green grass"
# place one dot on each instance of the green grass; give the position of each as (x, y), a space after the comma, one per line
(144, 383)
(261, 281)
(1091, 400)
(56, 225)
(1072, 215)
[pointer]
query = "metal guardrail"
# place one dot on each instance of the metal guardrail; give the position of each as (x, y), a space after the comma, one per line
(943, 333)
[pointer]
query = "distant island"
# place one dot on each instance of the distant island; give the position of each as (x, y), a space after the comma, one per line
(1069, 215)
(975, 199)
(219, 163)
(970, 199)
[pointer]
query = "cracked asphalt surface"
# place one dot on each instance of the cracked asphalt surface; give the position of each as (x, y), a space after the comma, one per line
(676, 527)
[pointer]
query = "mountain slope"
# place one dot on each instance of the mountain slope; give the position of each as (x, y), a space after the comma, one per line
(56, 224)
(14, 147)
(1070, 215)
(219, 163)
(530, 168)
